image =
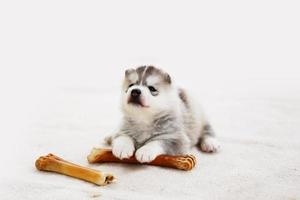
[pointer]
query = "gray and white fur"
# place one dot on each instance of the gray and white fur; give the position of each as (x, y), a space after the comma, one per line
(159, 118)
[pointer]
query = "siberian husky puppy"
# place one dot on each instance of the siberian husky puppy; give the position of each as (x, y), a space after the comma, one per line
(158, 118)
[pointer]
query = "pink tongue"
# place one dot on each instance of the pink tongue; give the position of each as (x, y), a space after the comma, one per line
(143, 103)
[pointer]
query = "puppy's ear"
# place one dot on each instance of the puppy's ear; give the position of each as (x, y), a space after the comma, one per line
(167, 78)
(128, 72)
(131, 75)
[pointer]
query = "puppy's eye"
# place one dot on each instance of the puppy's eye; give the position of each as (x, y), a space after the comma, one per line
(152, 89)
(130, 85)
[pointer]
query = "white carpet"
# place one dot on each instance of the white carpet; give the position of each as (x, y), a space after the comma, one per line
(259, 157)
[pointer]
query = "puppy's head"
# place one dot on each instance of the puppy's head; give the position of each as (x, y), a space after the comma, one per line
(146, 89)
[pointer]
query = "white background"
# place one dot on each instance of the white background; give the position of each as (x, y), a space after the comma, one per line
(217, 48)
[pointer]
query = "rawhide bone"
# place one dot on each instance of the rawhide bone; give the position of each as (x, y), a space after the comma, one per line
(56, 164)
(186, 162)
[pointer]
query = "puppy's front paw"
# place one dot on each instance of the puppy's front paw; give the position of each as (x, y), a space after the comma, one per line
(147, 153)
(123, 152)
(210, 145)
(123, 148)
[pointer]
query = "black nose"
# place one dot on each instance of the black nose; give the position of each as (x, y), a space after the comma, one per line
(135, 93)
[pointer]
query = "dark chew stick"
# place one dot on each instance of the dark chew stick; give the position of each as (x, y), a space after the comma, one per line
(186, 162)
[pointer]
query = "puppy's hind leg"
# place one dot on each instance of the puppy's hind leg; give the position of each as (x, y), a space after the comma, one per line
(207, 142)
(108, 140)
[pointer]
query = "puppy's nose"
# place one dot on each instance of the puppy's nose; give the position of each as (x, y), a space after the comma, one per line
(136, 93)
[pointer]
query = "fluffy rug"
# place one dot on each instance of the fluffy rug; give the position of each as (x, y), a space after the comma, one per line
(259, 159)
